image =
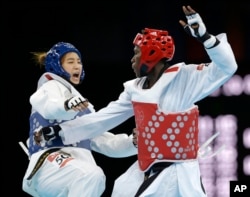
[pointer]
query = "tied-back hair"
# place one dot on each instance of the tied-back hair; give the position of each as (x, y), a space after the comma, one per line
(39, 58)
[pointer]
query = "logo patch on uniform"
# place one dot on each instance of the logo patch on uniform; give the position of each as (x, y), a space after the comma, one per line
(59, 158)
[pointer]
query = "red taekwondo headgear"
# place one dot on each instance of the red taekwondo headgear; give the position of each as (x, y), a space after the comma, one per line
(155, 45)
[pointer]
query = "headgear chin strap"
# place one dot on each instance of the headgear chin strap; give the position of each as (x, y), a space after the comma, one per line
(53, 58)
(155, 45)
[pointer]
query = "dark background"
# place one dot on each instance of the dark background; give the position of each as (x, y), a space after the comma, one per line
(103, 31)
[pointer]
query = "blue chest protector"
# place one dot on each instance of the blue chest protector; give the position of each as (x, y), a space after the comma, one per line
(37, 122)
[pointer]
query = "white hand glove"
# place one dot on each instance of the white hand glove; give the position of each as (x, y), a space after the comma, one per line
(74, 101)
(195, 26)
(197, 29)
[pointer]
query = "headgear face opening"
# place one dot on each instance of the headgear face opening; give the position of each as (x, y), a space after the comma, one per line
(155, 45)
(53, 59)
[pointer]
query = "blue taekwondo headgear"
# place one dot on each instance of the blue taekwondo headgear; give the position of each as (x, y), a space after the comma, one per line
(54, 55)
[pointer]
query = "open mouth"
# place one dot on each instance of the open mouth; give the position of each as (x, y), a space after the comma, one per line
(76, 75)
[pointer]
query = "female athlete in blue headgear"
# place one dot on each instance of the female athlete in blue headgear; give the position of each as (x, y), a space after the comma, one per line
(69, 170)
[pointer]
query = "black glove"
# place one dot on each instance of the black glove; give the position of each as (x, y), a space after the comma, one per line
(46, 134)
(74, 101)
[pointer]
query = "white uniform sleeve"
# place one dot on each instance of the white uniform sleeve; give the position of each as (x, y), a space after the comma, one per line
(195, 82)
(109, 144)
(95, 124)
(223, 56)
(49, 100)
(220, 70)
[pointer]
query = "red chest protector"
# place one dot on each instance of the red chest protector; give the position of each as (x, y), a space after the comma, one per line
(162, 136)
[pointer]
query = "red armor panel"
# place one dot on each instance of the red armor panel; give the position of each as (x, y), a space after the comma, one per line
(162, 136)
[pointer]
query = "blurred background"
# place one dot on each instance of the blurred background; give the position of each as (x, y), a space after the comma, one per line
(103, 31)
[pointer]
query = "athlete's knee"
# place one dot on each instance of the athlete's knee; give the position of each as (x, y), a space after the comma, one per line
(91, 183)
(94, 176)
(98, 175)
